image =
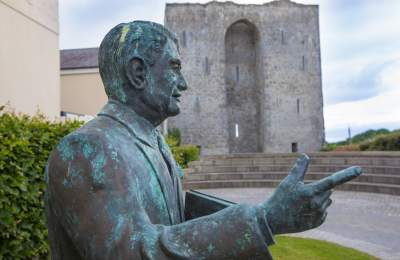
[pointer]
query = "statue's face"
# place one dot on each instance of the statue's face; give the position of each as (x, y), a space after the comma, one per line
(165, 82)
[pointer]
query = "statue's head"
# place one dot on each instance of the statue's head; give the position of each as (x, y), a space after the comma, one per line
(140, 66)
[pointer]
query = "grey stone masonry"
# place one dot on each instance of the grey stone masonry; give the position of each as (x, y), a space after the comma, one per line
(254, 76)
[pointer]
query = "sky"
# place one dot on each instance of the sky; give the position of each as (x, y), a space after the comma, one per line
(360, 52)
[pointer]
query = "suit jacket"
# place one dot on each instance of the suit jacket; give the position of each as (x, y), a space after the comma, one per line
(114, 192)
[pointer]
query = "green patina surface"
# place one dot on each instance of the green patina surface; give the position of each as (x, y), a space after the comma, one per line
(66, 150)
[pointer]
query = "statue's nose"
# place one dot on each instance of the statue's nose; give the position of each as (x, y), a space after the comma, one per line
(182, 86)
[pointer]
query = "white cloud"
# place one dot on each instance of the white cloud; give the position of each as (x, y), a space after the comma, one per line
(383, 108)
(380, 111)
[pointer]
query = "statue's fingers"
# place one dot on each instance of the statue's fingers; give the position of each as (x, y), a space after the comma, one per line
(321, 219)
(325, 205)
(336, 179)
(300, 168)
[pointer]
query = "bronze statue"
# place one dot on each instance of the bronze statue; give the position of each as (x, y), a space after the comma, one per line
(114, 189)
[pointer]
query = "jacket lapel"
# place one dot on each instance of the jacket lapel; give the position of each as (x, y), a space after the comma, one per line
(146, 136)
(176, 174)
(164, 180)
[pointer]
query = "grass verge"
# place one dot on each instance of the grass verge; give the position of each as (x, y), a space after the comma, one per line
(295, 248)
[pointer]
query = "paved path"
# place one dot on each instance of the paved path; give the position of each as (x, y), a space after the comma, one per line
(365, 221)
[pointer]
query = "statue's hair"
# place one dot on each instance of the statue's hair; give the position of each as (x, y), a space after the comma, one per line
(125, 41)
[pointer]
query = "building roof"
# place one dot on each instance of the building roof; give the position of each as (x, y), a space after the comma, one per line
(79, 58)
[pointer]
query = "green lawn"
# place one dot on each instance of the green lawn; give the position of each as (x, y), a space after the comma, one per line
(294, 248)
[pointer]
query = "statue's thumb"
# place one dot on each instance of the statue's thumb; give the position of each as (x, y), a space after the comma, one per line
(300, 168)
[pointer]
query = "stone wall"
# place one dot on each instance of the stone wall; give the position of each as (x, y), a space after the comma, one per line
(254, 76)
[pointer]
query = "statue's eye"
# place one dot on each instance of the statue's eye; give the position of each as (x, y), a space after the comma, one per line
(176, 65)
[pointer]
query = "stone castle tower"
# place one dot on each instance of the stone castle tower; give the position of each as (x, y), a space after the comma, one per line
(254, 76)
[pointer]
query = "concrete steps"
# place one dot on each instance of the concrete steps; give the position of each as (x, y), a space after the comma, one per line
(351, 186)
(351, 158)
(286, 168)
(370, 178)
(381, 170)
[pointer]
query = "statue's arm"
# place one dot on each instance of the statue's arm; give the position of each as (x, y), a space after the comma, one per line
(104, 218)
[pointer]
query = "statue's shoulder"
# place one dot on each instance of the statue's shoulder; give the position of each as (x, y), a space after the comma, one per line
(98, 137)
(88, 139)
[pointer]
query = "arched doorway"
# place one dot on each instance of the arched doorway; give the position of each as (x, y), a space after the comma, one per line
(243, 92)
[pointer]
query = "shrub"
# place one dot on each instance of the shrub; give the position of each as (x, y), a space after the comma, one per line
(185, 154)
(182, 154)
(389, 142)
(340, 148)
(25, 144)
(172, 141)
(175, 134)
(371, 140)
(347, 148)
(369, 135)
(328, 147)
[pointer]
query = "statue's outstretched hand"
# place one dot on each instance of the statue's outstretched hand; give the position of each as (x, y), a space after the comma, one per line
(295, 206)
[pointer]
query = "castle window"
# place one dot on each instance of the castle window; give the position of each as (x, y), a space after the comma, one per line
(282, 37)
(303, 64)
(237, 73)
(237, 130)
(206, 66)
(183, 40)
(298, 106)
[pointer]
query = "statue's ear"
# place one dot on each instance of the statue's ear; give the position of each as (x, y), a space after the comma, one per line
(136, 73)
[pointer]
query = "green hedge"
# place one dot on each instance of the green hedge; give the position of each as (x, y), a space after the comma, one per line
(25, 144)
(389, 142)
(371, 140)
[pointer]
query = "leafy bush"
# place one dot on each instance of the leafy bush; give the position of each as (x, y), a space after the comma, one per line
(175, 134)
(371, 140)
(329, 147)
(183, 154)
(347, 148)
(369, 135)
(172, 141)
(340, 148)
(25, 144)
(389, 142)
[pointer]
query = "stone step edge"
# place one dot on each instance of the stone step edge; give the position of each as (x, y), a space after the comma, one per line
(329, 170)
(286, 173)
(289, 166)
(379, 179)
(356, 187)
(200, 164)
(375, 154)
(278, 181)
